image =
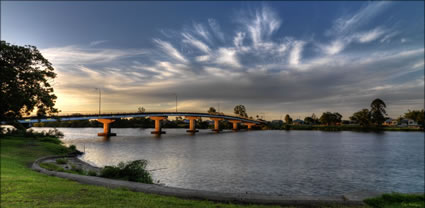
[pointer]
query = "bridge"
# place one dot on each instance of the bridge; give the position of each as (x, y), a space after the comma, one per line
(107, 118)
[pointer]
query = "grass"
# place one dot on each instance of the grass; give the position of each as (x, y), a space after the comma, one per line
(397, 200)
(61, 161)
(51, 166)
(22, 187)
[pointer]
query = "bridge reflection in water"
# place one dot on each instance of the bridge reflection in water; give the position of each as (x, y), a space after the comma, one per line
(107, 119)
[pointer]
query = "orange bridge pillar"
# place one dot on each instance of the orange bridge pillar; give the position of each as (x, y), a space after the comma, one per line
(216, 124)
(157, 120)
(192, 128)
(106, 127)
(249, 125)
(235, 124)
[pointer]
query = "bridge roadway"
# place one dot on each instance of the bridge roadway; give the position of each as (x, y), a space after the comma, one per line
(108, 118)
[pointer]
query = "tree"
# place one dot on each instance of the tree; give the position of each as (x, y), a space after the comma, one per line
(141, 110)
(212, 110)
(308, 120)
(377, 111)
(240, 110)
(25, 77)
(416, 115)
(362, 117)
(288, 119)
(329, 118)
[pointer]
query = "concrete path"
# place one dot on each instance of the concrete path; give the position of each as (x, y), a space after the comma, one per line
(240, 198)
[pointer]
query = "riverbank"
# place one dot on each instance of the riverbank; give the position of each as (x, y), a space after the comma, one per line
(22, 187)
(341, 128)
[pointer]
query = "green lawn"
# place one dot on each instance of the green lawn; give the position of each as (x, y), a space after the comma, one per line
(22, 187)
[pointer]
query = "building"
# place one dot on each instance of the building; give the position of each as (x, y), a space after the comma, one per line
(298, 122)
(407, 122)
(390, 122)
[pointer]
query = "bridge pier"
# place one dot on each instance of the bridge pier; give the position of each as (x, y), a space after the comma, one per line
(249, 125)
(235, 124)
(216, 124)
(157, 120)
(106, 127)
(192, 128)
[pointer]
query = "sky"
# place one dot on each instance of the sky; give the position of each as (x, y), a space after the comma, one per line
(275, 58)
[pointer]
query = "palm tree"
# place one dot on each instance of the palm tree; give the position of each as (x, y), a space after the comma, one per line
(377, 110)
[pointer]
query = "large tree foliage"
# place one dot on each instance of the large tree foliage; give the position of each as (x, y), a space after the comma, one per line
(25, 87)
(362, 117)
(311, 120)
(288, 119)
(329, 118)
(377, 111)
(240, 110)
(416, 115)
(212, 110)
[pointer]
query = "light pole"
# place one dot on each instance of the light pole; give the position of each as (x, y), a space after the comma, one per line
(176, 102)
(100, 98)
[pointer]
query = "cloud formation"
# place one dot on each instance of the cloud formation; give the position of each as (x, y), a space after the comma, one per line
(255, 64)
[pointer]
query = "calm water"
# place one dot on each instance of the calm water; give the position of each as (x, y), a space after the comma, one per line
(278, 162)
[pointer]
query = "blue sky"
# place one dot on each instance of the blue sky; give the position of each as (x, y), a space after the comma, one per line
(273, 57)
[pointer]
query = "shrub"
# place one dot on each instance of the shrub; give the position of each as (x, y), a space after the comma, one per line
(73, 148)
(397, 200)
(77, 170)
(92, 173)
(61, 161)
(131, 171)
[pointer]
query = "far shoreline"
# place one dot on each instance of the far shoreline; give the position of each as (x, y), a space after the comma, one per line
(283, 128)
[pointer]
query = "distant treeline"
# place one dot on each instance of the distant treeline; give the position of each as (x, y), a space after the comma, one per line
(351, 127)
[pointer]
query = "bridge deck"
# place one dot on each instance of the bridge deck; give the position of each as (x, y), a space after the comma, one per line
(132, 115)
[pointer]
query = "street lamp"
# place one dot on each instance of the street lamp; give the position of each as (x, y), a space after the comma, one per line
(176, 101)
(100, 98)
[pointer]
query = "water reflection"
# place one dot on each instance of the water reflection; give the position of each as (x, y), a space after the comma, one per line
(281, 162)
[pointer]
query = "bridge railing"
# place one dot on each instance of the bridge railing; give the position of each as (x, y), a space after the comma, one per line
(203, 114)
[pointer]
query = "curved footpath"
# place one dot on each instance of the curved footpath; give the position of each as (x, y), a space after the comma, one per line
(240, 198)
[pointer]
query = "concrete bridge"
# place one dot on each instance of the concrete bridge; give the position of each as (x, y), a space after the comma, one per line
(106, 119)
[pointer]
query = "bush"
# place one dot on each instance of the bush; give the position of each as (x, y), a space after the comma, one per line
(31, 133)
(77, 170)
(131, 171)
(61, 161)
(397, 200)
(92, 173)
(73, 148)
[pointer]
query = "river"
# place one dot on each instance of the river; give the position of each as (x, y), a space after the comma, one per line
(271, 162)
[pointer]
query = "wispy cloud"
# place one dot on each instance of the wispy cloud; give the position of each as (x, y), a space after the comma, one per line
(97, 42)
(261, 24)
(370, 35)
(79, 55)
(351, 22)
(189, 39)
(296, 53)
(215, 27)
(170, 50)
